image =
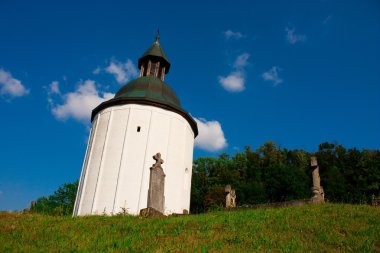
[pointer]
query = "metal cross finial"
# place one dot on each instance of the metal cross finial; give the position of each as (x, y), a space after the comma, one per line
(158, 159)
(158, 35)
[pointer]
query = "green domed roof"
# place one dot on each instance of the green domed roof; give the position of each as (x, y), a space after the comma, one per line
(149, 87)
(148, 90)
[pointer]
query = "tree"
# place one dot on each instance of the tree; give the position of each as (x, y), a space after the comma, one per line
(59, 203)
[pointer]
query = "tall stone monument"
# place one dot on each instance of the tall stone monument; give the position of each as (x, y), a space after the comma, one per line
(230, 197)
(156, 198)
(317, 189)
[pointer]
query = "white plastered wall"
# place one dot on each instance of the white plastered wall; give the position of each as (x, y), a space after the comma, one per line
(116, 168)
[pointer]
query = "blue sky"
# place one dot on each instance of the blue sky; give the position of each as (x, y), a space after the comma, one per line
(294, 72)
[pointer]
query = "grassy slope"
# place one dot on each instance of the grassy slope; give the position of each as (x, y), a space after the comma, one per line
(329, 227)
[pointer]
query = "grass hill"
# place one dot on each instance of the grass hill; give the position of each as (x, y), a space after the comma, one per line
(310, 228)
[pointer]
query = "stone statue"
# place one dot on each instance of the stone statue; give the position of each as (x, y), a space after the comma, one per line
(231, 197)
(317, 189)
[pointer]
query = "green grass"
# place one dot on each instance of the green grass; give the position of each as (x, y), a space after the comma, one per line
(311, 228)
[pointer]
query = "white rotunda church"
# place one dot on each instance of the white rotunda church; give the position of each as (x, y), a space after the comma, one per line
(140, 149)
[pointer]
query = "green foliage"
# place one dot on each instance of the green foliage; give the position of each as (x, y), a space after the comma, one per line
(309, 228)
(275, 174)
(60, 203)
(350, 176)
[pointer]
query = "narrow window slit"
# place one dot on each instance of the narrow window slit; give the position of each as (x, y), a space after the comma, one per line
(138, 129)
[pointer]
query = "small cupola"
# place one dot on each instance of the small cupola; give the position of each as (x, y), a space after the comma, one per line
(154, 61)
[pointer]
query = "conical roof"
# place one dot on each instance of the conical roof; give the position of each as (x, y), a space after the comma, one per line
(155, 52)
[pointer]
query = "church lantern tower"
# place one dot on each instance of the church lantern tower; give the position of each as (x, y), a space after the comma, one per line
(140, 149)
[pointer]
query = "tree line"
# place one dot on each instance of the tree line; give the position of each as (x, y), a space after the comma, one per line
(265, 175)
(274, 174)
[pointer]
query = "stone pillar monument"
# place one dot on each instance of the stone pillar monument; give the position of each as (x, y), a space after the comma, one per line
(317, 189)
(156, 198)
(231, 197)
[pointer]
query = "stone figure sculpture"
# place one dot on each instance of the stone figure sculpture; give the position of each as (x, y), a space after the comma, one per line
(233, 198)
(317, 189)
(230, 197)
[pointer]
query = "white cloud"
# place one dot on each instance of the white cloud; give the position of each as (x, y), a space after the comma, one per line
(292, 37)
(241, 61)
(54, 88)
(234, 82)
(79, 104)
(11, 86)
(233, 35)
(272, 75)
(211, 137)
(97, 71)
(123, 72)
